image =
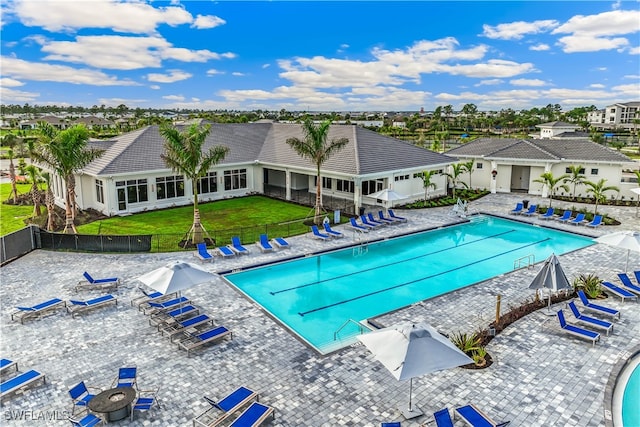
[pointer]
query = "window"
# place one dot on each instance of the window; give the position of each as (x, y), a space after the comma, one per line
(132, 191)
(235, 179)
(568, 170)
(594, 171)
(478, 165)
(169, 187)
(370, 187)
(208, 183)
(326, 183)
(344, 186)
(99, 191)
(401, 177)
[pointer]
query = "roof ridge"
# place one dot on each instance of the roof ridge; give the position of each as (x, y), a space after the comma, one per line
(355, 148)
(531, 143)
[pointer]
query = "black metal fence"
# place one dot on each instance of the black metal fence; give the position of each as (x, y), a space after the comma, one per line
(306, 198)
(18, 243)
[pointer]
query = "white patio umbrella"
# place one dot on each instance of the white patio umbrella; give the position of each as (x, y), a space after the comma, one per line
(637, 191)
(551, 276)
(175, 277)
(409, 351)
(629, 240)
(388, 196)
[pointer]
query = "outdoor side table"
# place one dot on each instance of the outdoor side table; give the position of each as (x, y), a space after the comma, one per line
(115, 403)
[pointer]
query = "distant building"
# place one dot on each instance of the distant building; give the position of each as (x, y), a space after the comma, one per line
(616, 116)
(554, 129)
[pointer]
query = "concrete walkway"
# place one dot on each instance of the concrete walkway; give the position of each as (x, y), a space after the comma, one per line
(541, 377)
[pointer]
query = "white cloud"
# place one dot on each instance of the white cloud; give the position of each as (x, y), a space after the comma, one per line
(517, 30)
(597, 86)
(528, 82)
(171, 77)
(213, 72)
(540, 47)
(631, 76)
(124, 52)
(173, 97)
(7, 82)
(38, 71)
(12, 95)
(491, 82)
(207, 21)
(634, 51)
(238, 74)
(154, 87)
(588, 43)
(265, 66)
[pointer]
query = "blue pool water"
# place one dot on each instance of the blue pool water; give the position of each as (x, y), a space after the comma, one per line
(631, 400)
(315, 296)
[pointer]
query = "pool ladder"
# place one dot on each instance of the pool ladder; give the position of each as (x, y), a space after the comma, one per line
(361, 328)
(526, 261)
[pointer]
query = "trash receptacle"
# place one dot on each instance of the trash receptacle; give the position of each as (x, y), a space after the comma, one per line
(361, 210)
(525, 204)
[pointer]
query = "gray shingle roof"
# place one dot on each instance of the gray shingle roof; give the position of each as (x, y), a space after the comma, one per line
(366, 153)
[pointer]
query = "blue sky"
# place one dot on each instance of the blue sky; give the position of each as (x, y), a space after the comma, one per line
(320, 56)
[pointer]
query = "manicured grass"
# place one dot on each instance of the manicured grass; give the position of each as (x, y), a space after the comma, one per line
(12, 217)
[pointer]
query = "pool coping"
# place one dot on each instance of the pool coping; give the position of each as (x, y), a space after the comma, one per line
(614, 376)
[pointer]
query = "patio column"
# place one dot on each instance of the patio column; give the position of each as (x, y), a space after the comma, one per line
(494, 173)
(287, 185)
(545, 188)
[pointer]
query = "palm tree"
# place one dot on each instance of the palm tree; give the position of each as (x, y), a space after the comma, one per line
(183, 153)
(468, 168)
(552, 182)
(575, 177)
(65, 152)
(598, 189)
(49, 202)
(316, 148)
(36, 195)
(10, 140)
(457, 169)
(426, 182)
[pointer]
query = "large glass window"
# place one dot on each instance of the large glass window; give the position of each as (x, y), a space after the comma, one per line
(208, 183)
(131, 191)
(344, 186)
(169, 187)
(370, 187)
(235, 179)
(99, 191)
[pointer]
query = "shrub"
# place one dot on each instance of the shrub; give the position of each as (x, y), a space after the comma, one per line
(590, 284)
(468, 343)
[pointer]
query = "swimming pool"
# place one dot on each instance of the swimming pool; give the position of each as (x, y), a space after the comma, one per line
(319, 296)
(626, 395)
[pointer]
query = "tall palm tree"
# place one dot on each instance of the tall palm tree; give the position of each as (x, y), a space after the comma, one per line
(36, 195)
(65, 152)
(184, 153)
(427, 183)
(598, 190)
(553, 183)
(468, 168)
(317, 149)
(575, 177)
(10, 140)
(49, 202)
(457, 169)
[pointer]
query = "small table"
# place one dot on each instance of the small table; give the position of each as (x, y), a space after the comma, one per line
(114, 402)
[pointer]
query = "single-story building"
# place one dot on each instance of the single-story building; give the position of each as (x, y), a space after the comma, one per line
(132, 177)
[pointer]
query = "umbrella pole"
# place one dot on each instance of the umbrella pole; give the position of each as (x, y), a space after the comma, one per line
(626, 267)
(410, 393)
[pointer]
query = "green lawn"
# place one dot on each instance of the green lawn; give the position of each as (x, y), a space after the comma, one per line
(12, 217)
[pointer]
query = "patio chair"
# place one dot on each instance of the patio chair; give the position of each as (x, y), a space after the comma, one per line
(82, 306)
(145, 400)
(331, 232)
(202, 253)
(237, 247)
(6, 364)
(264, 244)
(88, 420)
(205, 337)
(533, 209)
(374, 221)
(443, 418)
(81, 396)
(550, 213)
(317, 234)
(280, 243)
(162, 319)
(577, 331)
(225, 251)
(365, 220)
(518, 209)
(20, 381)
(180, 327)
(150, 297)
(229, 404)
(37, 310)
(355, 226)
(255, 415)
(596, 323)
(566, 216)
(396, 217)
(155, 307)
(619, 292)
(388, 219)
(597, 308)
(596, 222)
(126, 378)
(579, 219)
(473, 416)
(628, 284)
(101, 284)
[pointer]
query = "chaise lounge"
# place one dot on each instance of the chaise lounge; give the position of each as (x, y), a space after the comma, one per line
(331, 232)
(358, 227)
(202, 253)
(202, 338)
(566, 216)
(473, 416)
(6, 364)
(597, 308)
(37, 310)
(264, 244)
(596, 323)
(82, 306)
(20, 381)
(317, 234)
(628, 284)
(396, 217)
(100, 284)
(255, 415)
(237, 247)
(229, 404)
(280, 243)
(619, 292)
(577, 331)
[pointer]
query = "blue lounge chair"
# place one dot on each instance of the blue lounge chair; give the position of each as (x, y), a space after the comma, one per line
(91, 283)
(577, 331)
(264, 244)
(174, 330)
(331, 232)
(317, 234)
(443, 418)
(517, 210)
(387, 219)
(596, 222)
(146, 400)
(76, 306)
(6, 364)
(81, 396)
(619, 292)
(126, 378)
(566, 216)
(205, 337)
(393, 424)
(548, 214)
(597, 323)
(150, 297)
(365, 221)
(355, 226)
(88, 420)
(202, 253)
(533, 209)
(475, 417)
(255, 415)
(280, 243)
(237, 247)
(37, 310)
(374, 221)
(579, 219)
(155, 307)
(229, 404)
(597, 308)
(637, 274)
(161, 318)
(225, 251)
(396, 217)
(20, 381)
(628, 284)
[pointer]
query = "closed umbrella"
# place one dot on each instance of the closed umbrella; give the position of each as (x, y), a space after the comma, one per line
(409, 351)
(637, 191)
(175, 277)
(388, 196)
(629, 240)
(551, 276)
